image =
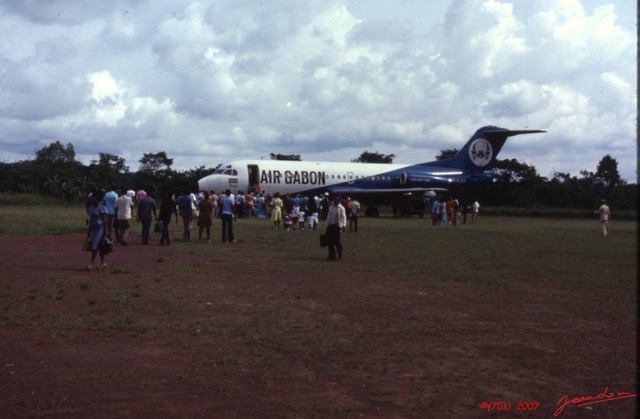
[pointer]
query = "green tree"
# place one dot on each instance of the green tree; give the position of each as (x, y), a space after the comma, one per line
(56, 154)
(56, 166)
(607, 171)
(109, 168)
(155, 172)
(368, 157)
(21, 177)
(188, 180)
(562, 177)
(512, 171)
(516, 184)
(291, 157)
(447, 154)
(152, 163)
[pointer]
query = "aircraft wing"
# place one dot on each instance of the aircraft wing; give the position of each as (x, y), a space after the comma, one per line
(351, 190)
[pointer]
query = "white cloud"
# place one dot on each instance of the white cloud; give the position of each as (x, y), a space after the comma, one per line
(569, 39)
(211, 82)
(481, 38)
(108, 97)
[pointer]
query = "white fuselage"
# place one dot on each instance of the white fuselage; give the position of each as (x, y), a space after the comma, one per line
(289, 177)
(472, 165)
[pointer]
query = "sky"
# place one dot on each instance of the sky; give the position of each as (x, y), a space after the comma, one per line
(213, 81)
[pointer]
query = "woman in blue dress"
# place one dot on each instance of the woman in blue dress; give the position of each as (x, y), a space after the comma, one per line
(96, 231)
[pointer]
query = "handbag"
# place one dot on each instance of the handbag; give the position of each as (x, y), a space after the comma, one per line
(106, 245)
(159, 227)
(86, 245)
(323, 240)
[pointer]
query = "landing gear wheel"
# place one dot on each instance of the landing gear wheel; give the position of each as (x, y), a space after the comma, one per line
(372, 212)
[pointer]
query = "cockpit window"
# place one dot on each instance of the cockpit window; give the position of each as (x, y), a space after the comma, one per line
(226, 171)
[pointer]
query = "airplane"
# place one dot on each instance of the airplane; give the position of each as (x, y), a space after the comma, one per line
(471, 166)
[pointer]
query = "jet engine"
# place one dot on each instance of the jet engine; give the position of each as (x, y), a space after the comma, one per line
(415, 180)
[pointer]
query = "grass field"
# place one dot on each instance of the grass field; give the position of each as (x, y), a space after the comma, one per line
(496, 251)
(416, 321)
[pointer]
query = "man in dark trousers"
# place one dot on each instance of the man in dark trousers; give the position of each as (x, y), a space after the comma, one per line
(227, 216)
(336, 221)
(146, 206)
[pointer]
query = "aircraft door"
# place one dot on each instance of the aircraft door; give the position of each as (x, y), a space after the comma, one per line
(254, 178)
(350, 177)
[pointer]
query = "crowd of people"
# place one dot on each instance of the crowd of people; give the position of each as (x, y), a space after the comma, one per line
(450, 212)
(109, 215)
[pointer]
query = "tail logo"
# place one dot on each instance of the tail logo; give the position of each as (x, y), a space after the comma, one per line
(480, 152)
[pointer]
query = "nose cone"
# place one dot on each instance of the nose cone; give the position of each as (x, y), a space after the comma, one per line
(206, 184)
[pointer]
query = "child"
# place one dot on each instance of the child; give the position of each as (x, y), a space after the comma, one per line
(301, 220)
(288, 222)
(312, 221)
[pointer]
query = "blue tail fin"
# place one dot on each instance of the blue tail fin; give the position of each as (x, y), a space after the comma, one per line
(481, 151)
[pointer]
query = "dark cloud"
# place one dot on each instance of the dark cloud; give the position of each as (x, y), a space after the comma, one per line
(210, 82)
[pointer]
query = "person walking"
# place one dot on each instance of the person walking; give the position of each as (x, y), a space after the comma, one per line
(97, 228)
(124, 203)
(167, 207)
(475, 208)
(214, 202)
(435, 212)
(186, 211)
(260, 206)
(604, 212)
(249, 203)
(227, 216)
(146, 207)
(324, 206)
(443, 212)
(276, 210)
(205, 219)
(354, 210)
(336, 221)
(109, 201)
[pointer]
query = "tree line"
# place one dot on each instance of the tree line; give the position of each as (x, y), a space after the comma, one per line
(55, 171)
(519, 185)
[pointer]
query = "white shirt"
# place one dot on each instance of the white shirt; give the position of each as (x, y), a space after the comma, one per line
(123, 206)
(354, 207)
(337, 215)
(604, 212)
